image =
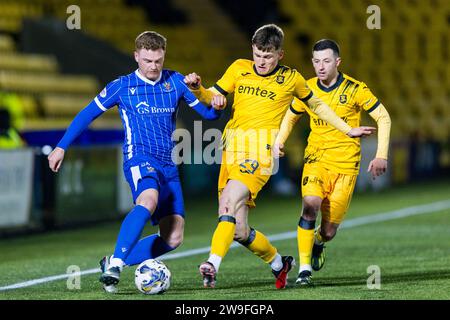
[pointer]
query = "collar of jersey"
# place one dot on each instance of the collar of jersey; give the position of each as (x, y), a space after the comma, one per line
(269, 74)
(334, 86)
(140, 76)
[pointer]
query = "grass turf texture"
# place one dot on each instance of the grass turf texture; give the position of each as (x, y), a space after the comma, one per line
(412, 253)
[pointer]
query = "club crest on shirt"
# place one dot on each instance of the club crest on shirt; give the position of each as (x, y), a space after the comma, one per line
(167, 86)
(103, 93)
(305, 180)
(315, 180)
(150, 169)
(147, 166)
(280, 79)
(343, 98)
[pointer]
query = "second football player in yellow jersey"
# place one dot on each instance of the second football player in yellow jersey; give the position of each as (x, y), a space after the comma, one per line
(331, 158)
(262, 90)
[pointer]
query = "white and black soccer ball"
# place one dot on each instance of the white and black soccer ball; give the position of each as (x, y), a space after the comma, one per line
(152, 277)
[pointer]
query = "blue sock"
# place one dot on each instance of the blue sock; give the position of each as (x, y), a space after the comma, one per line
(147, 248)
(130, 231)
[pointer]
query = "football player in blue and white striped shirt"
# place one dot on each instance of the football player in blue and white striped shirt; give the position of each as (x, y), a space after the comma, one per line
(148, 103)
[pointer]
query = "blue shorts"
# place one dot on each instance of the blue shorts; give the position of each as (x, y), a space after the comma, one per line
(146, 173)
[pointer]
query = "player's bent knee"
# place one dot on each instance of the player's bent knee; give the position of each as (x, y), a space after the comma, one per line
(310, 212)
(327, 235)
(171, 229)
(328, 230)
(223, 210)
(174, 240)
(230, 203)
(241, 237)
(148, 199)
(241, 233)
(147, 203)
(312, 203)
(311, 206)
(227, 206)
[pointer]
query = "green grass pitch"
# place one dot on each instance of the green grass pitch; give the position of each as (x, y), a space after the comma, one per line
(413, 254)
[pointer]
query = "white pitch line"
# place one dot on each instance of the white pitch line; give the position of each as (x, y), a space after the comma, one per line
(380, 217)
(47, 279)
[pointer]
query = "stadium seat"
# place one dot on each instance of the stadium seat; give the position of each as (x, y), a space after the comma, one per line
(12, 13)
(395, 51)
(42, 83)
(384, 60)
(58, 105)
(29, 106)
(6, 43)
(64, 105)
(28, 62)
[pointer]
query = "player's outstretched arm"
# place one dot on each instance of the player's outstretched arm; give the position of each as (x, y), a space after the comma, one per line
(78, 125)
(361, 132)
(324, 112)
(287, 124)
(194, 83)
(55, 159)
(378, 165)
(218, 103)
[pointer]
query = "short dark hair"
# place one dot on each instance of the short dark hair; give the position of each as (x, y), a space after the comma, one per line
(268, 37)
(327, 44)
(150, 40)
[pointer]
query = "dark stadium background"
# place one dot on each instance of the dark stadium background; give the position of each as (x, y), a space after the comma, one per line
(54, 72)
(49, 72)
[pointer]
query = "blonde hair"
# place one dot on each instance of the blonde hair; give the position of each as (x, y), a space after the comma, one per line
(150, 40)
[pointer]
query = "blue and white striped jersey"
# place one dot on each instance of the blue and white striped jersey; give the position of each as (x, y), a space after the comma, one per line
(148, 110)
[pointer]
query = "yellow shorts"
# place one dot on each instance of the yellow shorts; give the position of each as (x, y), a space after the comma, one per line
(335, 189)
(252, 170)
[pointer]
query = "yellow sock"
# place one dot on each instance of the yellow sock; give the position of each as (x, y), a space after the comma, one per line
(305, 241)
(261, 246)
(223, 236)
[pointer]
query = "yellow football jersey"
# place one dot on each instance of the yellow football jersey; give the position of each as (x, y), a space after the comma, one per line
(335, 150)
(260, 102)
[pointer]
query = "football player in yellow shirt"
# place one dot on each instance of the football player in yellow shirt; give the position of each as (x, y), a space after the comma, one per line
(331, 158)
(263, 90)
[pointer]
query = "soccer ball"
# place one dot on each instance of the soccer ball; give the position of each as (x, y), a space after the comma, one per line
(152, 277)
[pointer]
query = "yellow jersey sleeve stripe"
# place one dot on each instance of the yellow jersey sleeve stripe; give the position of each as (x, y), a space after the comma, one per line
(374, 106)
(295, 111)
(307, 97)
(218, 88)
(347, 85)
(355, 90)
